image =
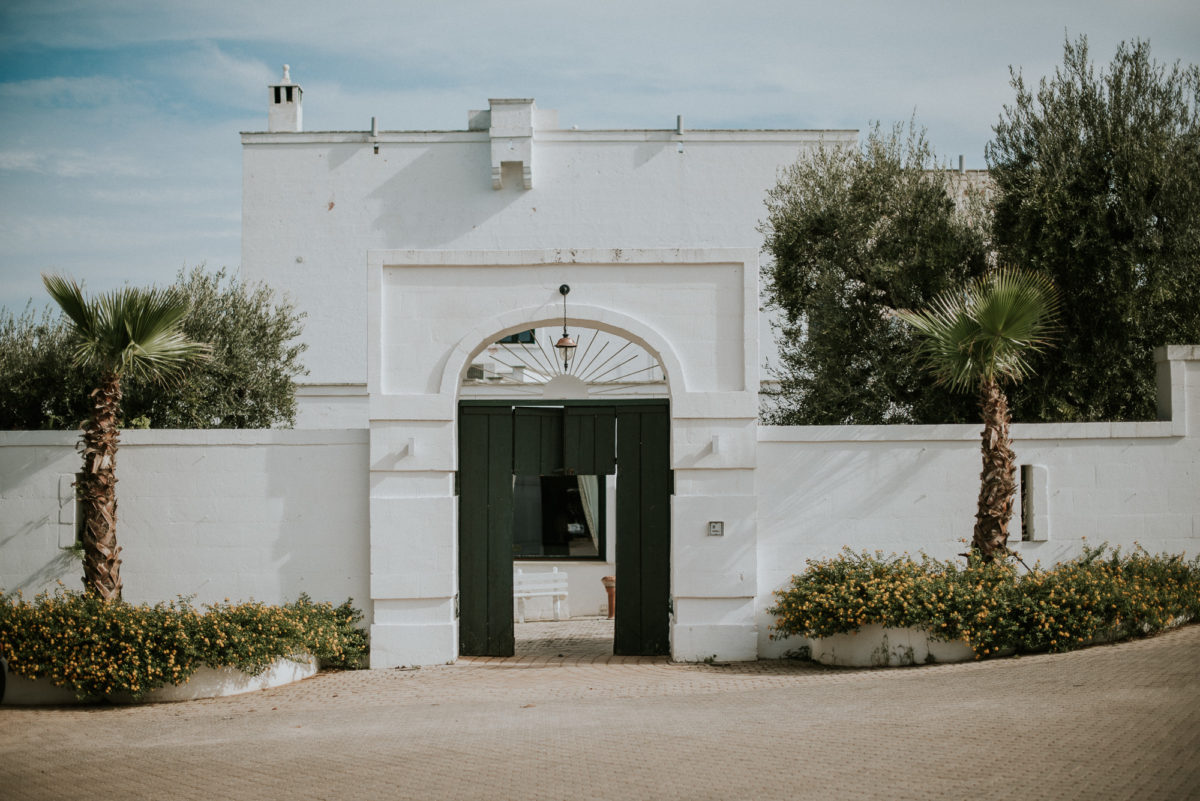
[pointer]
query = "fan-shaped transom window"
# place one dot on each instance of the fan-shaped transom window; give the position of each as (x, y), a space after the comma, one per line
(526, 363)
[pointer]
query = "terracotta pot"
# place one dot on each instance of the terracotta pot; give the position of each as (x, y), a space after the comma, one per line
(610, 586)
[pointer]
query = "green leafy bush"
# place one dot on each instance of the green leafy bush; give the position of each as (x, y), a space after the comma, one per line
(98, 648)
(249, 381)
(994, 606)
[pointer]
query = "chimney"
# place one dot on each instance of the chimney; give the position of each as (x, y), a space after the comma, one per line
(285, 112)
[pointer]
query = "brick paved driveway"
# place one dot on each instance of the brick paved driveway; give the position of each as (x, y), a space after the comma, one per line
(1117, 721)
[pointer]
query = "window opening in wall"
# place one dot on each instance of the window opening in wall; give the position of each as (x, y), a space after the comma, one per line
(1026, 502)
(278, 95)
(288, 90)
(520, 338)
(558, 517)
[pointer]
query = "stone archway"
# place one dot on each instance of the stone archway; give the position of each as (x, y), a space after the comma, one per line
(432, 313)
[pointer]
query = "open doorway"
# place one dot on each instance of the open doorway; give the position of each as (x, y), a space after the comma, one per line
(559, 517)
(540, 492)
(561, 557)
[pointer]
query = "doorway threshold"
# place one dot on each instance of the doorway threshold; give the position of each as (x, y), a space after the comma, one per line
(553, 643)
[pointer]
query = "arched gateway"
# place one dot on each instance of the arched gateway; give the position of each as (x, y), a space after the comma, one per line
(460, 392)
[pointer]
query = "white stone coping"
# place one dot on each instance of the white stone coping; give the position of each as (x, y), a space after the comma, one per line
(206, 682)
(692, 135)
(1020, 432)
(349, 390)
(135, 437)
(1186, 353)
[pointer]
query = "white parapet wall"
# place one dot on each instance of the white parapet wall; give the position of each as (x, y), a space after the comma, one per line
(263, 515)
(914, 488)
(271, 514)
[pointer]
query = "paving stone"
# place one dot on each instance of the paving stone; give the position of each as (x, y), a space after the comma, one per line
(1110, 722)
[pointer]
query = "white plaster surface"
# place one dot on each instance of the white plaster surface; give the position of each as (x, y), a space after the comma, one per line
(431, 313)
(314, 204)
(914, 488)
(876, 646)
(206, 682)
(207, 514)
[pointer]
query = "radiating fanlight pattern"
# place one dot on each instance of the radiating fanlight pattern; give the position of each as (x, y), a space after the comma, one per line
(523, 363)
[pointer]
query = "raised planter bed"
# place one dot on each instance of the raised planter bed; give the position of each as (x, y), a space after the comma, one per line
(205, 683)
(876, 646)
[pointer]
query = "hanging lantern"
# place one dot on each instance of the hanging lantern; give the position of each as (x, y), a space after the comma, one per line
(565, 345)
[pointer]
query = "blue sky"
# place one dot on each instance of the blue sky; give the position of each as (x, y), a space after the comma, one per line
(119, 119)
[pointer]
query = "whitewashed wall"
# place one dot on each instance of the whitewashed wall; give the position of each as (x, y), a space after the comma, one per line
(212, 514)
(315, 203)
(914, 488)
(270, 514)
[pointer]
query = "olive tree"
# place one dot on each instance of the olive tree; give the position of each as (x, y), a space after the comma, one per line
(853, 234)
(1097, 177)
(248, 381)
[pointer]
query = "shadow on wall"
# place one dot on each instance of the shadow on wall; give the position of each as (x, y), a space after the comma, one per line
(65, 566)
(320, 559)
(457, 199)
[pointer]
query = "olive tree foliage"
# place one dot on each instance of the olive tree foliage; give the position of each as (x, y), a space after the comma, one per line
(247, 383)
(40, 386)
(855, 234)
(1098, 186)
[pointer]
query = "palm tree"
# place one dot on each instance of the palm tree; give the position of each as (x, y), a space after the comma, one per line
(978, 338)
(130, 332)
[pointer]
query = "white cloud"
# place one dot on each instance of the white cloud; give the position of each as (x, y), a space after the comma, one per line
(207, 72)
(72, 163)
(111, 176)
(74, 92)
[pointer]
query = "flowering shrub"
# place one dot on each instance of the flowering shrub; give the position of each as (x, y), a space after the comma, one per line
(992, 606)
(96, 648)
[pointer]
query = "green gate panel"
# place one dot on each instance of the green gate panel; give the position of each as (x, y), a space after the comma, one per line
(642, 625)
(497, 443)
(537, 441)
(485, 459)
(589, 440)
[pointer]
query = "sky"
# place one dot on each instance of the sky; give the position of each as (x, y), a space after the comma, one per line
(120, 160)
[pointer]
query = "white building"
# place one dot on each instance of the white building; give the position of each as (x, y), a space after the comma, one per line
(431, 455)
(316, 204)
(415, 252)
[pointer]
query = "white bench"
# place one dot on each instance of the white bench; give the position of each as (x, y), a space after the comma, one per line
(539, 585)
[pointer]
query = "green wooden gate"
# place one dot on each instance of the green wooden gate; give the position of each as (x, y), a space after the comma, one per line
(497, 443)
(643, 532)
(485, 505)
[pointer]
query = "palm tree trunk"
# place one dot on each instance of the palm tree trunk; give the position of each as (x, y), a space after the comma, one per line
(97, 491)
(997, 482)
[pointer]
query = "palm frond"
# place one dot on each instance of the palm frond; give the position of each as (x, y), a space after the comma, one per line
(985, 331)
(129, 331)
(69, 297)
